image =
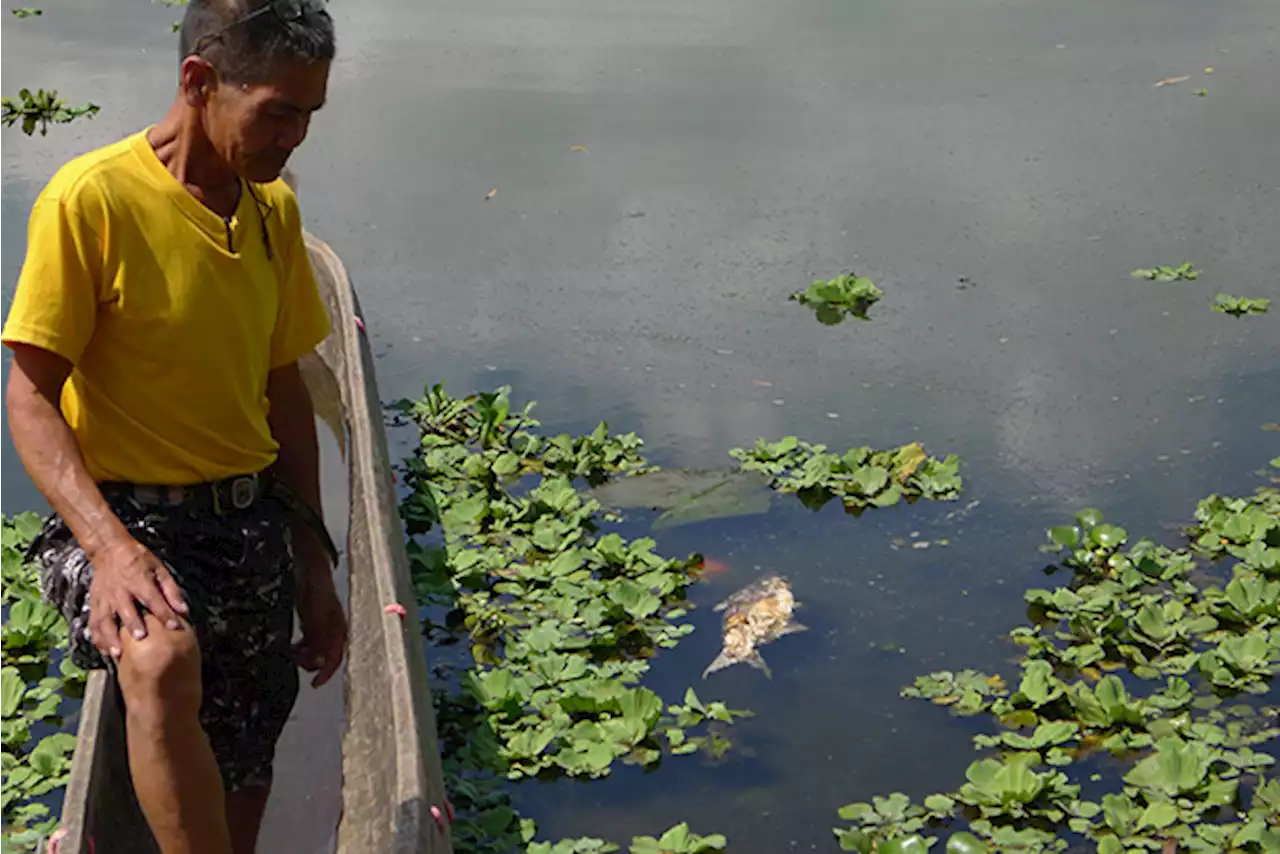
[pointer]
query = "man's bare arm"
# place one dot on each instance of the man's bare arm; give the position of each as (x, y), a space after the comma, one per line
(52, 457)
(50, 452)
(323, 621)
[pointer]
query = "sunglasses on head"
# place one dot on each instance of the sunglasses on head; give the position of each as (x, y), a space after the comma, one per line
(286, 10)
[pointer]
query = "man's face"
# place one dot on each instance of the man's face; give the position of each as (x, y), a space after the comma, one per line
(256, 126)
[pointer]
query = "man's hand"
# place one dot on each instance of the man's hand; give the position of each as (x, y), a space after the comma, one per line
(293, 423)
(126, 573)
(324, 625)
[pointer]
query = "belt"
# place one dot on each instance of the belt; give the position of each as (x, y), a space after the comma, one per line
(226, 496)
(219, 496)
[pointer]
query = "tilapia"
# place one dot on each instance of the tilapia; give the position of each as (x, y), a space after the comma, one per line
(757, 614)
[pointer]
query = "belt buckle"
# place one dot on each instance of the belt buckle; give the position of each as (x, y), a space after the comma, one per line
(243, 491)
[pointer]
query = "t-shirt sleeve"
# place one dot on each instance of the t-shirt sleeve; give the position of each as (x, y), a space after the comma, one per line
(302, 321)
(55, 303)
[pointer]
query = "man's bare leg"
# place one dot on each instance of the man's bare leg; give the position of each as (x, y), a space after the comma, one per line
(245, 808)
(174, 772)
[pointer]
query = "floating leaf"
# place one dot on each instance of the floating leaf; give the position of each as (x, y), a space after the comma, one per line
(1067, 536)
(1239, 306)
(1109, 536)
(861, 477)
(12, 687)
(843, 296)
(1183, 271)
(965, 843)
(678, 840)
(1176, 767)
(1038, 683)
(939, 803)
(39, 110)
(904, 845)
(1158, 815)
(995, 782)
(870, 479)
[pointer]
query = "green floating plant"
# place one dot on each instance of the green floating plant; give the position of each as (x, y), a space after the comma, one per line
(836, 299)
(1239, 306)
(677, 840)
(39, 110)
(1158, 615)
(1185, 271)
(859, 478)
(31, 694)
(561, 617)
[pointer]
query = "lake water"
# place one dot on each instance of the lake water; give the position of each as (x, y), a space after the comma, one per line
(667, 173)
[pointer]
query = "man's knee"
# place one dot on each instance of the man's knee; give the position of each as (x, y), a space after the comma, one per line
(160, 674)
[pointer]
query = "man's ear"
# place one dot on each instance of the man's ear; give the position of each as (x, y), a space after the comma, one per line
(198, 79)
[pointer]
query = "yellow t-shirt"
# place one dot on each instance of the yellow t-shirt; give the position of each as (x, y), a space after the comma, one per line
(171, 316)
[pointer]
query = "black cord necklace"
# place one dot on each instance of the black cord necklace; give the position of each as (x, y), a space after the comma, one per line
(263, 209)
(260, 204)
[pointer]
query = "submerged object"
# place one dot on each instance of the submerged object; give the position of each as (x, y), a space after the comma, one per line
(689, 495)
(757, 614)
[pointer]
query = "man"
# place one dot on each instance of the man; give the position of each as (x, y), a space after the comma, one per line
(155, 400)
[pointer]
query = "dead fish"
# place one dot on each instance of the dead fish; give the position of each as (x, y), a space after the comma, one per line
(757, 614)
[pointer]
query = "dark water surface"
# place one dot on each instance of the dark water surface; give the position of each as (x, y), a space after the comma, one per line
(735, 151)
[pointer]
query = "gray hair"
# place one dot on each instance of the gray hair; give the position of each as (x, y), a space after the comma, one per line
(246, 47)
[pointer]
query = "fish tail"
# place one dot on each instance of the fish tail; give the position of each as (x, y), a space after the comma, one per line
(757, 661)
(722, 661)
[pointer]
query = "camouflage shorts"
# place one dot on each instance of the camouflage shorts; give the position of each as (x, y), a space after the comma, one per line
(236, 574)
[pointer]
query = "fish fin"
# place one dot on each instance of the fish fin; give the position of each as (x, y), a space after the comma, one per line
(791, 628)
(722, 661)
(757, 661)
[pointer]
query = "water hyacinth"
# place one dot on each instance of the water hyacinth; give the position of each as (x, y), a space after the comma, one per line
(561, 619)
(37, 679)
(1189, 642)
